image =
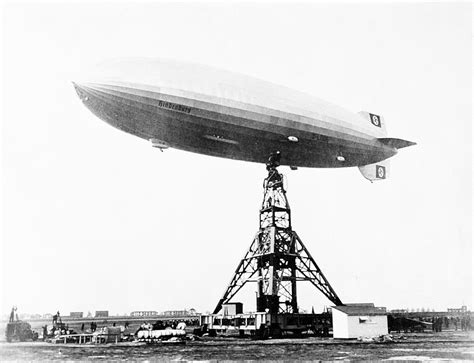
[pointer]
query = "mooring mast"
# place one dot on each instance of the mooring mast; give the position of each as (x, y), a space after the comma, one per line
(277, 258)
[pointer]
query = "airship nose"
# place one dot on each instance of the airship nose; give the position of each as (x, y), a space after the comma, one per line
(80, 90)
(100, 102)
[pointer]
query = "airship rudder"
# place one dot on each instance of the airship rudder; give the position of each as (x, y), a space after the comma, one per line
(380, 170)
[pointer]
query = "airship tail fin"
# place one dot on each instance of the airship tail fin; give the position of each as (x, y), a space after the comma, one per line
(376, 171)
(396, 143)
(376, 123)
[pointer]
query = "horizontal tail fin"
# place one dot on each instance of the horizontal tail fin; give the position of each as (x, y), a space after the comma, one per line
(376, 171)
(395, 143)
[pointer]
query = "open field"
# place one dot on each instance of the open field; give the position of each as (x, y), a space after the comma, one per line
(451, 345)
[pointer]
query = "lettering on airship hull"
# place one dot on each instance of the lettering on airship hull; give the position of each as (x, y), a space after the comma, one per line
(174, 106)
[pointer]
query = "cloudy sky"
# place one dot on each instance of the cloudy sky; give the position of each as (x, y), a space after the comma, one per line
(96, 219)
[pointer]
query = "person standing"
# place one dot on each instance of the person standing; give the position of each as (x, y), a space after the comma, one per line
(12, 314)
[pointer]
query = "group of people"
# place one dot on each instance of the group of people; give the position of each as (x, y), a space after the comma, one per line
(164, 324)
(55, 330)
(437, 323)
(456, 322)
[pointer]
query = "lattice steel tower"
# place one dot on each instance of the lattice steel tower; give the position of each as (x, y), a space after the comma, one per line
(277, 257)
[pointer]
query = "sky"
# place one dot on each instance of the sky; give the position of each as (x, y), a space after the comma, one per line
(97, 219)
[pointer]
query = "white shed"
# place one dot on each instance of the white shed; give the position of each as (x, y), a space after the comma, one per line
(358, 320)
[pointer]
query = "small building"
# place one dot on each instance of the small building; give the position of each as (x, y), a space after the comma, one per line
(102, 314)
(76, 314)
(144, 313)
(462, 309)
(175, 313)
(352, 321)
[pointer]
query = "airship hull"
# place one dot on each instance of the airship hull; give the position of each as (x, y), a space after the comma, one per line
(223, 126)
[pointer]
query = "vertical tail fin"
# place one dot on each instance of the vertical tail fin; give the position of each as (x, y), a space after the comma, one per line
(376, 171)
(375, 122)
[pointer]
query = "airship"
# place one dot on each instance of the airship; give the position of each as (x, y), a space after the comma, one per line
(215, 112)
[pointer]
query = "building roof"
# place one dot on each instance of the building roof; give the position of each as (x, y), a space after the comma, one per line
(361, 309)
